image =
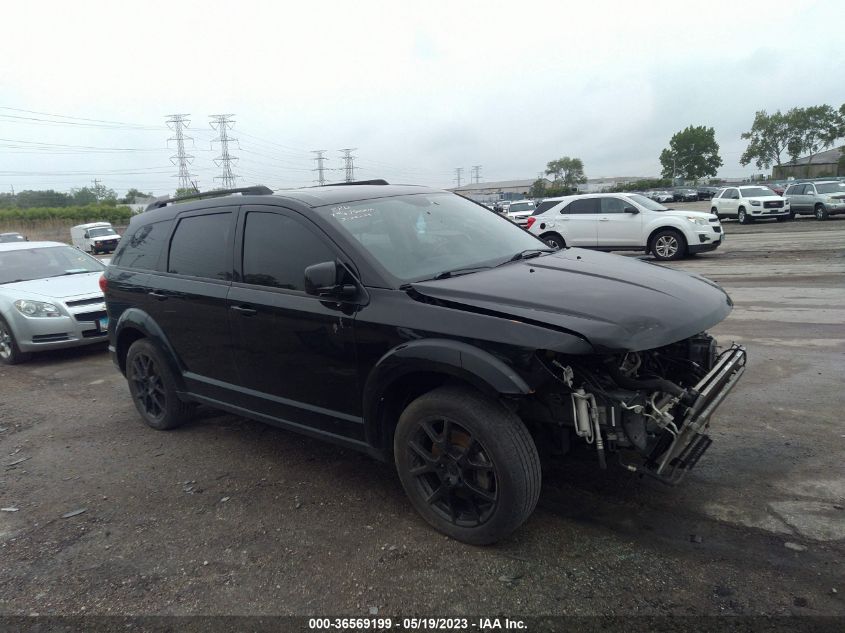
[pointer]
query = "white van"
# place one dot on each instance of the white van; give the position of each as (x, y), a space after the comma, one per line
(95, 237)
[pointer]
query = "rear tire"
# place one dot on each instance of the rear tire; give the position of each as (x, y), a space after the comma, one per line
(821, 213)
(554, 240)
(153, 387)
(10, 353)
(468, 464)
(668, 244)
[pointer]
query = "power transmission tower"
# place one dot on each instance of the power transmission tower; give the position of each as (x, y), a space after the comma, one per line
(177, 123)
(321, 176)
(223, 123)
(458, 173)
(349, 163)
(476, 173)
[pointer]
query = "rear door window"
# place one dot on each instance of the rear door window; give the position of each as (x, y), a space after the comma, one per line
(545, 206)
(142, 249)
(201, 247)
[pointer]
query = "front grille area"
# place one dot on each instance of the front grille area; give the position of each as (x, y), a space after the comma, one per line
(773, 204)
(49, 338)
(86, 302)
(90, 316)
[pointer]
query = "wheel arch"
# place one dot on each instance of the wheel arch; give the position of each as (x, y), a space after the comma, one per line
(134, 324)
(663, 226)
(412, 369)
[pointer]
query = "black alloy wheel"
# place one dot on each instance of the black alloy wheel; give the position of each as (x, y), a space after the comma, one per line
(453, 472)
(468, 464)
(153, 388)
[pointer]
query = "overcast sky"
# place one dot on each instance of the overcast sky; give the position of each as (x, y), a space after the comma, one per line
(418, 88)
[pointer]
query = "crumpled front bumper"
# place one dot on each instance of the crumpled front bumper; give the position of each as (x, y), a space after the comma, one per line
(692, 441)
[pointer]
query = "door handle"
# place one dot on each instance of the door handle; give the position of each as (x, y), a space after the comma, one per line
(245, 310)
(158, 295)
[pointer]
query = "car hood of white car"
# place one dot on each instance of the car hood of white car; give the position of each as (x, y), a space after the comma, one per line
(82, 284)
(766, 198)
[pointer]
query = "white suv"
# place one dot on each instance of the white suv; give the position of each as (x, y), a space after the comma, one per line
(625, 222)
(519, 211)
(747, 204)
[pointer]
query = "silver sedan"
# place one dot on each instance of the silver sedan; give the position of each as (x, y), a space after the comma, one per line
(50, 298)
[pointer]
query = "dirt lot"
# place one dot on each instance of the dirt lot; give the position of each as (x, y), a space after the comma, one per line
(228, 516)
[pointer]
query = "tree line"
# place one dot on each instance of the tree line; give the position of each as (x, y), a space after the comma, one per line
(693, 152)
(82, 197)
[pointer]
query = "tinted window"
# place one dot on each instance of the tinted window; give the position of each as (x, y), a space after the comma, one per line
(612, 205)
(278, 249)
(545, 206)
(809, 190)
(200, 247)
(584, 205)
(790, 190)
(141, 249)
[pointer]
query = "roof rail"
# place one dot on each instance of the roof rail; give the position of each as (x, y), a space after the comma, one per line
(377, 181)
(257, 190)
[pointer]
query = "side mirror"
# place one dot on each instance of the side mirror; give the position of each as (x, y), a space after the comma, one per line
(326, 280)
(633, 210)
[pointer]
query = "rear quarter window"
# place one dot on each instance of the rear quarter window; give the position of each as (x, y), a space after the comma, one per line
(141, 249)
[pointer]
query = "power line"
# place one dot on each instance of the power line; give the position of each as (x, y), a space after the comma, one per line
(458, 173)
(77, 118)
(177, 123)
(321, 176)
(223, 123)
(348, 163)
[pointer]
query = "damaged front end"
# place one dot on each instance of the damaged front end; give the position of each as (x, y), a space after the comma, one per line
(650, 408)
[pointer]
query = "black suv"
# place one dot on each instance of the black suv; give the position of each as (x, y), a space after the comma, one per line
(418, 327)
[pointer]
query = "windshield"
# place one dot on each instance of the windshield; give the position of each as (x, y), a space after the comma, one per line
(756, 192)
(831, 187)
(38, 263)
(418, 236)
(101, 232)
(648, 203)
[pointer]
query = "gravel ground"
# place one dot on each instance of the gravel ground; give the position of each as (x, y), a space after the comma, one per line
(228, 516)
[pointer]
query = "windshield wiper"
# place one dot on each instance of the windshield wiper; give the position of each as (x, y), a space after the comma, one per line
(446, 274)
(74, 272)
(528, 254)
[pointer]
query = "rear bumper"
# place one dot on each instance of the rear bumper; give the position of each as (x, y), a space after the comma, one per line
(692, 441)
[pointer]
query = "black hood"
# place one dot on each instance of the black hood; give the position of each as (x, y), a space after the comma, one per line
(616, 303)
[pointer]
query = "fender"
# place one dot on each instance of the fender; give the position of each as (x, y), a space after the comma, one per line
(454, 358)
(137, 319)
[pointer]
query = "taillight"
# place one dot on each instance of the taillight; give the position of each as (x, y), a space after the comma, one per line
(104, 285)
(530, 221)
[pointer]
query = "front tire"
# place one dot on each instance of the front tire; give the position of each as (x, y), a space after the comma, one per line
(742, 216)
(821, 213)
(668, 244)
(10, 353)
(153, 387)
(468, 465)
